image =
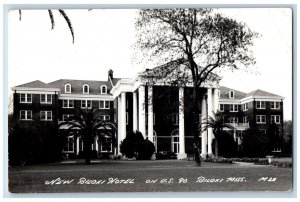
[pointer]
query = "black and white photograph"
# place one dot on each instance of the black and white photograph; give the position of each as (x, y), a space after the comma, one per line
(135, 100)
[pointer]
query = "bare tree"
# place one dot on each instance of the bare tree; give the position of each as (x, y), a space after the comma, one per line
(193, 44)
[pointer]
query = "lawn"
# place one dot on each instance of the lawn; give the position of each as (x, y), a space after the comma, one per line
(147, 176)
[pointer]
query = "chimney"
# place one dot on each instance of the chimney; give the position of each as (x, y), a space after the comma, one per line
(110, 74)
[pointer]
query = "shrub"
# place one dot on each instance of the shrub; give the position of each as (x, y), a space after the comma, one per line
(262, 162)
(227, 146)
(146, 150)
(117, 157)
(166, 155)
(134, 145)
(275, 163)
(130, 145)
(250, 160)
(34, 144)
(282, 164)
(255, 143)
(218, 160)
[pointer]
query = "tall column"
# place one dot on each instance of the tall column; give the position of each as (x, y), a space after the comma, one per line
(234, 135)
(134, 111)
(77, 145)
(123, 115)
(142, 127)
(210, 114)
(181, 154)
(96, 143)
(216, 100)
(204, 133)
(150, 113)
(119, 124)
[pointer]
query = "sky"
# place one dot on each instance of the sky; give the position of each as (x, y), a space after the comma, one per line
(104, 40)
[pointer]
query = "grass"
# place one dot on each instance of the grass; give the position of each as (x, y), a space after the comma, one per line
(164, 175)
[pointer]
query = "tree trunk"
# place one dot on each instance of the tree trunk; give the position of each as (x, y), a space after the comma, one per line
(195, 126)
(87, 152)
(216, 147)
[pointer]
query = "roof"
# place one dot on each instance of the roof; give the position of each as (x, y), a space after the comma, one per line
(238, 95)
(175, 72)
(34, 84)
(224, 93)
(261, 93)
(115, 80)
(77, 85)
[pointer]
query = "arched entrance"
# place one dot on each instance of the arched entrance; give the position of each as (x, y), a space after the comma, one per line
(175, 141)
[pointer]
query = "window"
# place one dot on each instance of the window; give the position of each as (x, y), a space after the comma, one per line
(86, 89)
(46, 98)
(275, 105)
(175, 141)
(231, 94)
(86, 104)
(260, 104)
(239, 138)
(25, 98)
(104, 104)
(25, 115)
(68, 117)
(106, 144)
(175, 119)
(219, 94)
(233, 108)
(245, 106)
(68, 88)
(46, 115)
(275, 119)
(245, 119)
(276, 149)
(221, 107)
(103, 89)
(234, 120)
(260, 119)
(68, 103)
(104, 117)
(240, 133)
(69, 147)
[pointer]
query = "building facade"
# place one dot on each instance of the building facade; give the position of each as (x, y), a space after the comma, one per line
(161, 112)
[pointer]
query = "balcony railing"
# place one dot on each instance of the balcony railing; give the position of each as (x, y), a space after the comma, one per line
(242, 125)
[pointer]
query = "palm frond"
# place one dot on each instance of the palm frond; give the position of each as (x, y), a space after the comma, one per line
(217, 122)
(62, 12)
(51, 19)
(20, 15)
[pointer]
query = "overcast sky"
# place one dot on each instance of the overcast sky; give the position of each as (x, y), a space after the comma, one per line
(104, 39)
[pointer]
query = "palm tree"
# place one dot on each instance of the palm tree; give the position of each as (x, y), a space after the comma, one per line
(217, 123)
(88, 124)
(63, 13)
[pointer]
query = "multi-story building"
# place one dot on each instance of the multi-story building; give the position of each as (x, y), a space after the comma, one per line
(258, 109)
(161, 112)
